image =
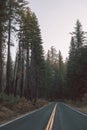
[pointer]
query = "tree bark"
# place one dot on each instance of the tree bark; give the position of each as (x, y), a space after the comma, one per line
(8, 58)
(1, 63)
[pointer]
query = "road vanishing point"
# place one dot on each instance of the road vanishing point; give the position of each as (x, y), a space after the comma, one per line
(55, 116)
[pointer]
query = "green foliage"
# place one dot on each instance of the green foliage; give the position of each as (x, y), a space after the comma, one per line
(10, 99)
(79, 35)
(76, 68)
(77, 74)
(54, 74)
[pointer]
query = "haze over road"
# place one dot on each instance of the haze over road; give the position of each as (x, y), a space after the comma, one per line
(55, 116)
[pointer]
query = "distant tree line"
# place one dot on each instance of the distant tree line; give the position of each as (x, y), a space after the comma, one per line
(68, 79)
(33, 75)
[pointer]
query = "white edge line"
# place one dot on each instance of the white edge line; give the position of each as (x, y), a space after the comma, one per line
(74, 109)
(23, 116)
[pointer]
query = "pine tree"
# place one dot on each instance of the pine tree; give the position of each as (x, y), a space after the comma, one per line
(27, 45)
(74, 78)
(70, 71)
(36, 66)
(13, 18)
(54, 78)
(49, 77)
(61, 74)
(79, 35)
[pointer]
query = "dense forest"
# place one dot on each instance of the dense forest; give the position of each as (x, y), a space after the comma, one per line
(34, 74)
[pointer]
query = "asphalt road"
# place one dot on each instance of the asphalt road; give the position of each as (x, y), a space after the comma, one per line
(34, 121)
(66, 118)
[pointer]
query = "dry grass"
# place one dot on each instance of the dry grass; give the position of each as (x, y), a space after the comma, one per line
(83, 109)
(81, 106)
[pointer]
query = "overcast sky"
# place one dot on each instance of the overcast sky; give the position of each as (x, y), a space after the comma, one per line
(57, 19)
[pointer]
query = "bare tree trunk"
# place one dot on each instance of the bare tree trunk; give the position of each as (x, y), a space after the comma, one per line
(8, 56)
(18, 71)
(1, 63)
(28, 96)
(22, 75)
(8, 72)
(14, 74)
(15, 78)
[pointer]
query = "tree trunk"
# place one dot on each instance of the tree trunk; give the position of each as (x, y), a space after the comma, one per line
(1, 63)
(27, 75)
(18, 71)
(8, 59)
(22, 76)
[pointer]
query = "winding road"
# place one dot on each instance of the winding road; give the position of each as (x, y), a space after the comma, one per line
(55, 116)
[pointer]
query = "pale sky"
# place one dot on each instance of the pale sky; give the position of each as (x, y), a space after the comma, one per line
(57, 19)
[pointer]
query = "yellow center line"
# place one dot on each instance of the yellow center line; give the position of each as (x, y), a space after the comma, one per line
(51, 120)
